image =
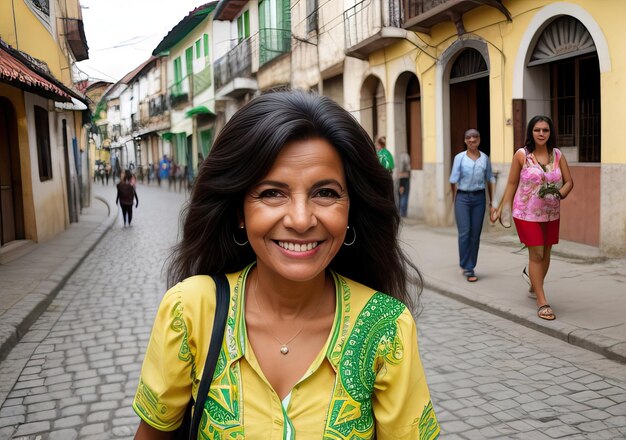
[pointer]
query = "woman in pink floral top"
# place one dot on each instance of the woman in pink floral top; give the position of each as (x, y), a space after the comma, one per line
(538, 180)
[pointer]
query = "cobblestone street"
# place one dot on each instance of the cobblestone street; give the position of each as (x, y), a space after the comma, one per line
(77, 367)
(491, 378)
(74, 374)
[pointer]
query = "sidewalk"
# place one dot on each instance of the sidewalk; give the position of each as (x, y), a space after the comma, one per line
(588, 293)
(29, 283)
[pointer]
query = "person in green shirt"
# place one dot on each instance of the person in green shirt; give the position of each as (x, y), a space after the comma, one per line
(384, 156)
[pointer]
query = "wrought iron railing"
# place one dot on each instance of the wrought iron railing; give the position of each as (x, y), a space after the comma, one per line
(202, 80)
(413, 8)
(179, 92)
(236, 63)
(272, 43)
(368, 17)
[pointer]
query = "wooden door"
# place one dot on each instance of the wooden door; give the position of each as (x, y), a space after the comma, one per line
(11, 211)
(463, 114)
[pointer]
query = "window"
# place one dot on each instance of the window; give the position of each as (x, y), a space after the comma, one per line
(189, 60)
(206, 45)
(243, 26)
(575, 84)
(41, 9)
(198, 47)
(42, 130)
(178, 70)
(311, 15)
(275, 29)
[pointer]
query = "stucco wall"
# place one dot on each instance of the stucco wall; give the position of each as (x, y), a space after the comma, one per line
(49, 198)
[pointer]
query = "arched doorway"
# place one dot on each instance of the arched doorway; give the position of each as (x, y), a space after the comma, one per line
(11, 205)
(469, 100)
(373, 115)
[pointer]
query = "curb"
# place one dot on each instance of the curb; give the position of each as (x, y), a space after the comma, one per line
(607, 347)
(26, 311)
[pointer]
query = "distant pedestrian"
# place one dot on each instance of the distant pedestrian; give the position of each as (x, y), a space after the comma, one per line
(384, 156)
(125, 194)
(404, 183)
(173, 175)
(107, 173)
(538, 180)
(471, 172)
(164, 169)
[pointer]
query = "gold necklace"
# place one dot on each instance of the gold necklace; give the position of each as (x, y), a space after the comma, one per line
(284, 349)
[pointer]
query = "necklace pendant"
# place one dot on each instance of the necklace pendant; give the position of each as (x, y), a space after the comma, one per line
(284, 349)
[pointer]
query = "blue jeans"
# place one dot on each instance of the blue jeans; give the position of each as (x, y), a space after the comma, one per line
(403, 199)
(469, 210)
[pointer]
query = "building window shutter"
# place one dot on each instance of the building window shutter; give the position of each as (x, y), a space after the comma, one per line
(42, 132)
(189, 60)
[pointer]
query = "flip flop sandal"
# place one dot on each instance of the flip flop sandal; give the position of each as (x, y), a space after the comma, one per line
(545, 312)
(470, 276)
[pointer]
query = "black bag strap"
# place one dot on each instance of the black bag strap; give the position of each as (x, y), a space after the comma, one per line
(222, 298)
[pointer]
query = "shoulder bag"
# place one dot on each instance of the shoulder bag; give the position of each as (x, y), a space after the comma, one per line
(189, 428)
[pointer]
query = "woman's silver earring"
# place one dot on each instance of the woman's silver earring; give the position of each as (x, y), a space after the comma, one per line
(353, 236)
(238, 243)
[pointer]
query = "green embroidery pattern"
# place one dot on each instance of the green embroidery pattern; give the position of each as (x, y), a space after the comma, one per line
(178, 325)
(372, 342)
(222, 417)
(429, 428)
(148, 406)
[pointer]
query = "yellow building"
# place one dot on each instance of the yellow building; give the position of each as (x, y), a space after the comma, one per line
(434, 68)
(41, 130)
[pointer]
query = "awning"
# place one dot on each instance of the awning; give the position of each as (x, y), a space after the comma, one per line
(19, 74)
(168, 135)
(199, 110)
(75, 104)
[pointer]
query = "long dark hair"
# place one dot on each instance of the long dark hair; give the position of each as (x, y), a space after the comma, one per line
(245, 151)
(530, 140)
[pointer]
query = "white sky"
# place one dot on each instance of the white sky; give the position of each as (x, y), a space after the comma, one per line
(121, 34)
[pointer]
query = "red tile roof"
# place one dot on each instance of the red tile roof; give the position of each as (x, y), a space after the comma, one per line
(19, 74)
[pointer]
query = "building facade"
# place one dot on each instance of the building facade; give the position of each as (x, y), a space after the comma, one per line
(423, 71)
(42, 136)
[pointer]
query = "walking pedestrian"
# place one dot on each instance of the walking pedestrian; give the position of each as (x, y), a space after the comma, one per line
(471, 173)
(125, 194)
(291, 204)
(404, 183)
(539, 178)
(164, 169)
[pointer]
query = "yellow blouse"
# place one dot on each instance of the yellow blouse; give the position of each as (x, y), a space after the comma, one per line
(368, 380)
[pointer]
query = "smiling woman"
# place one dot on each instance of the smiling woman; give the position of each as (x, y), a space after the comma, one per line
(319, 341)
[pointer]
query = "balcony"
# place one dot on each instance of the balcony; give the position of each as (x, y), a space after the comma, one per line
(157, 106)
(76, 39)
(273, 43)
(371, 25)
(179, 93)
(422, 15)
(233, 72)
(202, 80)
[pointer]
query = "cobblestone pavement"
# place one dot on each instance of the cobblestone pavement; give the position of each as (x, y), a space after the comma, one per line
(74, 373)
(491, 378)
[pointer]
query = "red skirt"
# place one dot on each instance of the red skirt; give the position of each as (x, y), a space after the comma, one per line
(537, 233)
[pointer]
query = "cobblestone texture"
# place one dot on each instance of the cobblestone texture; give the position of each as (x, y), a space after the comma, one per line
(490, 378)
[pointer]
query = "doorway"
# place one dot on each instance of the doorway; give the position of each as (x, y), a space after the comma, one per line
(469, 100)
(11, 204)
